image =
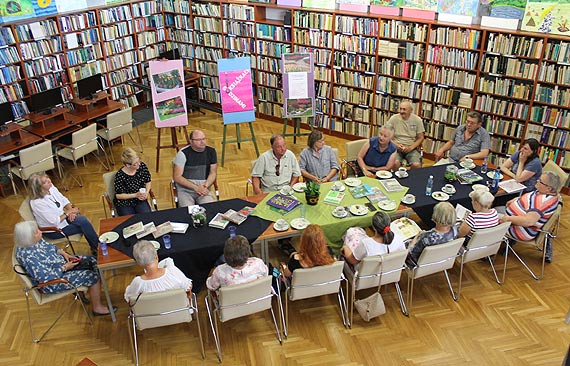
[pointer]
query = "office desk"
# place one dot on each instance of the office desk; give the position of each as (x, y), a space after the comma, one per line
(99, 106)
(54, 125)
(16, 138)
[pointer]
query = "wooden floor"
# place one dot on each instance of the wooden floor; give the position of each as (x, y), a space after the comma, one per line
(519, 323)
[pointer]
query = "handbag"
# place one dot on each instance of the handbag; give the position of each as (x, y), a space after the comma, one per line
(354, 168)
(373, 305)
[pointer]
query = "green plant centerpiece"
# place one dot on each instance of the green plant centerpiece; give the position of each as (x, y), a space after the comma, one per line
(312, 192)
(198, 216)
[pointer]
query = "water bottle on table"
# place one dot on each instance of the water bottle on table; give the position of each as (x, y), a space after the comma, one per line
(484, 166)
(429, 185)
(104, 249)
(495, 184)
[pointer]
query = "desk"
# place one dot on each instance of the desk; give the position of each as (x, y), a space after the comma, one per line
(91, 109)
(54, 125)
(15, 137)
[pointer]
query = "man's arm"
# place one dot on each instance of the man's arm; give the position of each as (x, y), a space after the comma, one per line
(480, 155)
(256, 183)
(360, 159)
(443, 149)
(179, 179)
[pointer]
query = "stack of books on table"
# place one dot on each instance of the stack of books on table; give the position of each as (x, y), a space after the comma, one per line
(333, 197)
(466, 176)
(219, 221)
(282, 202)
(237, 217)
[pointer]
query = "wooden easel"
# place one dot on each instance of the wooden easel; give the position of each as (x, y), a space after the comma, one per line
(296, 128)
(238, 139)
(174, 143)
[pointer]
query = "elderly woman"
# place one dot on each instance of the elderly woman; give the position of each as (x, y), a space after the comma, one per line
(524, 165)
(313, 251)
(378, 153)
(318, 161)
(529, 212)
(129, 181)
(158, 276)
(53, 209)
(444, 218)
(240, 266)
(383, 241)
(45, 262)
(484, 216)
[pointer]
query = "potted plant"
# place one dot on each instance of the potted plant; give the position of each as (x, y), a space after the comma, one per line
(312, 191)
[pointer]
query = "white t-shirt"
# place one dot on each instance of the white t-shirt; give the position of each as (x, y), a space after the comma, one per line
(369, 247)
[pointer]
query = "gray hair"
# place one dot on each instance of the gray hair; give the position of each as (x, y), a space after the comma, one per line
(389, 129)
(444, 214)
(144, 253)
(554, 180)
(35, 182)
(24, 234)
(482, 197)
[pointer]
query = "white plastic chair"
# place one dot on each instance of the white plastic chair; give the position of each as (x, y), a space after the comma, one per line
(159, 309)
(240, 300)
(119, 123)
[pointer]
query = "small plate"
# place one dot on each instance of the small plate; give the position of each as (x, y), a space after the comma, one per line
(338, 213)
(155, 244)
(352, 182)
(338, 186)
(491, 175)
(387, 205)
(299, 223)
(281, 225)
(286, 191)
(358, 210)
(299, 187)
(467, 166)
(109, 237)
(409, 199)
(384, 174)
(401, 174)
(440, 196)
(448, 191)
(477, 187)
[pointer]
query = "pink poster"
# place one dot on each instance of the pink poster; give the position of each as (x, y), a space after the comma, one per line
(236, 92)
(168, 93)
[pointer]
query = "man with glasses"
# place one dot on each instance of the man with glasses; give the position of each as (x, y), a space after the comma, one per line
(408, 135)
(275, 168)
(195, 169)
(529, 212)
(469, 141)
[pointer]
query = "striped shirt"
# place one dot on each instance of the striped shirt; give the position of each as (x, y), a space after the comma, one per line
(543, 204)
(482, 220)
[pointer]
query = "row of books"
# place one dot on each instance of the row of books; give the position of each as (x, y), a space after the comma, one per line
(221, 220)
(141, 230)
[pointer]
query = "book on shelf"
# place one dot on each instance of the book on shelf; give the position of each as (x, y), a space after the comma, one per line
(333, 197)
(237, 217)
(219, 221)
(511, 186)
(467, 176)
(162, 229)
(391, 185)
(282, 202)
(376, 196)
(147, 229)
(133, 229)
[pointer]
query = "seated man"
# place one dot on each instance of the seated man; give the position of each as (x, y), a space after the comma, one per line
(529, 212)
(275, 168)
(469, 141)
(195, 169)
(408, 135)
(378, 153)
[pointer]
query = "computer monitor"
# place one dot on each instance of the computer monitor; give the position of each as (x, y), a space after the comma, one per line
(44, 101)
(89, 86)
(173, 54)
(6, 115)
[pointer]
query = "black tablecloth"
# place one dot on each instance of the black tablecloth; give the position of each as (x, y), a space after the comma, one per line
(423, 207)
(196, 251)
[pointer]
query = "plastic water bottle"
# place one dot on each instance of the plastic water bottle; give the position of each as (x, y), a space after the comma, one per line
(496, 179)
(104, 249)
(429, 185)
(484, 166)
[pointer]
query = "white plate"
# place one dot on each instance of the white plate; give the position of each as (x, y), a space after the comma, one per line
(352, 182)
(402, 174)
(339, 213)
(156, 244)
(491, 175)
(467, 166)
(409, 199)
(476, 187)
(281, 225)
(299, 187)
(387, 205)
(299, 223)
(286, 191)
(452, 191)
(358, 210)
(384, 174)
(440, 196)
(109, 237)
(339, 187)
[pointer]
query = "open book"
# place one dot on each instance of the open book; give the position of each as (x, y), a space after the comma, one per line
(511, 186)
(461, 212)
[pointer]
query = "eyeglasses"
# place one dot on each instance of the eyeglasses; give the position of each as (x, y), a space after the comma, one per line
(277, 169)
(202, 139)
(541, 182)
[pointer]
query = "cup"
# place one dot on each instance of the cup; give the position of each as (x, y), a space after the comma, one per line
(449, 188)
(142, 190)
(166, 239)
(303, 210)
(468, 161)
(232, 229)
(402, 170)
(336, 186)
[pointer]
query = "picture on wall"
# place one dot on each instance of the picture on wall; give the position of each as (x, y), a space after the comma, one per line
(547, 17)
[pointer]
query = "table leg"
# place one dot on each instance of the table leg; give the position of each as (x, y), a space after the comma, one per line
(107, 296)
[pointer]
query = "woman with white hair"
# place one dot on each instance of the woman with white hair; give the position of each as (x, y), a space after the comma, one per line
(44, 262)
(484, 216)
(158, 276)
(378, 153)
(444, 218)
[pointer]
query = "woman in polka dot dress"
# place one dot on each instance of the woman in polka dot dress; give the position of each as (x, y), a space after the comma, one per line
(132, 184)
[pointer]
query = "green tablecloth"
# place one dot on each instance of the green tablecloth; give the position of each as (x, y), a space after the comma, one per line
(321, 213)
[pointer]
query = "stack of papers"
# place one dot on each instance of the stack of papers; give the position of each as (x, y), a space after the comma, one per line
(511, 186)
(179, 227)
(392, 185)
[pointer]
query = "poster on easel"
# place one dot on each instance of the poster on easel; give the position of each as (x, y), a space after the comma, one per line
(298, 85)
(168, 93)
(236, 90)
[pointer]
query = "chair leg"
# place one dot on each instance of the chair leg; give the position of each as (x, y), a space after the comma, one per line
(342, 305)
(99, 146)
(218, 348)
(410, 290)
(133, 337)
(461, 276)
(455, 298)
(195, 308)
(494, 271)
(525, 265)
(352, 298)
(568, 317)
(401, 298)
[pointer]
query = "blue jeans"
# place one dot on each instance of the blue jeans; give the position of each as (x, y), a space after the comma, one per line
(140, 207)
(78, 226)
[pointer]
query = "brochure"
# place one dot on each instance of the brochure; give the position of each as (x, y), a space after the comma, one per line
(237, 217)
(219, 221)
(147, 230)
(360, 191)
(405, 228)
(391, 185)
(133, 229)
(162, 229)
(461, 212)
(511, 186)
(377, 195)
(334, 197)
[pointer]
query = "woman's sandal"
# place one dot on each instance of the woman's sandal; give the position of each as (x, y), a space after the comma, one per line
(103, 314)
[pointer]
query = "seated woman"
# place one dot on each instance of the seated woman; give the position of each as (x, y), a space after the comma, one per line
(524, 165)
(158, 276)
(313, 251)
(444, 218)
(318, 161)
(45, 262)
(129, 180)
(240, 266)
(484, 216)
(378, 153)
(383, 241)
(51, 208)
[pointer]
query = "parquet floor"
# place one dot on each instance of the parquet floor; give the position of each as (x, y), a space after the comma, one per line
(519, 323)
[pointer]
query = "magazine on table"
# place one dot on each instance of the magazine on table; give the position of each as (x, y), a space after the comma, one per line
(377, 195)
(219, 221)
(133, 229)
(511, 186)
(237, 217)
(391, 185)
(334, 197)
(360, 191)
(147, 230)
(282, 202)
(466, 176)
(162, 229)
